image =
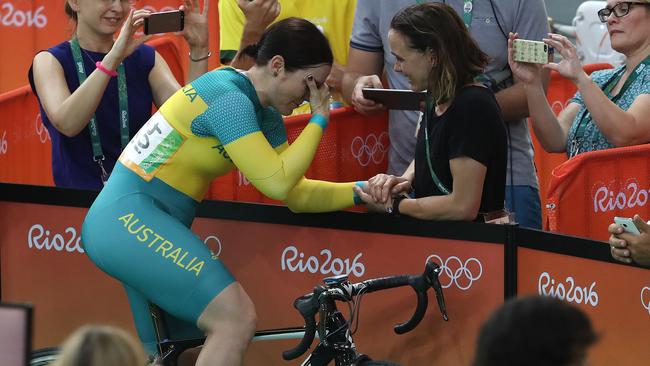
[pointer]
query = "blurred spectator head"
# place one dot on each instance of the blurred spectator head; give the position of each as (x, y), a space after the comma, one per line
(98, 345)
(535, 331)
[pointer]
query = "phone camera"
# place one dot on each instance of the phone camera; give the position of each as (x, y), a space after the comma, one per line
(545, 48)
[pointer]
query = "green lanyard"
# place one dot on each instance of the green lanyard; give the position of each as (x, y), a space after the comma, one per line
(98, 153)
(434, 176)
(609, 86)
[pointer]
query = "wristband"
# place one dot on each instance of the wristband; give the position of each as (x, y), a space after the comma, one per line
(357, 199)
(106, 71)
(394, 209)
(200, 58)
(319, 120)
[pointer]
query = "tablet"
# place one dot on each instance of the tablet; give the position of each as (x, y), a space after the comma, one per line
(396, 98)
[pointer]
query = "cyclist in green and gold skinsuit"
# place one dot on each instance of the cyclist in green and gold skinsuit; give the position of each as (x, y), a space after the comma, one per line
(224, 120)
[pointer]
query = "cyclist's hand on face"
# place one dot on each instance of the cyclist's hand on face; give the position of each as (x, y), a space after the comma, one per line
(382, 187)
(361, 104)
(319, 97)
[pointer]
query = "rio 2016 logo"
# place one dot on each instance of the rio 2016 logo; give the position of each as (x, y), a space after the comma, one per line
(42, 239)
(580, 295)
(12, 17)
(607, 199)
(295, 261)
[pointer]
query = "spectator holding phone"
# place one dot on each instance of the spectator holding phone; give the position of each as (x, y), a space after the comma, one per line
(612, 107)
(224, 120)
(459, 170)
(93, 111)
(630, 248)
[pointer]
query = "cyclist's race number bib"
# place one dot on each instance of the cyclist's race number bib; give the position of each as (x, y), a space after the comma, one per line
(151, 147)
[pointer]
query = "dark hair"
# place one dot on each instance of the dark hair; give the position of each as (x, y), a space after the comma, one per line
(437, 27)
(297, 40)
(534, 331)
(69, 12)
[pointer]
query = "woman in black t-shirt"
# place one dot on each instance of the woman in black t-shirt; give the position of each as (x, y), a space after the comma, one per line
(459, 169)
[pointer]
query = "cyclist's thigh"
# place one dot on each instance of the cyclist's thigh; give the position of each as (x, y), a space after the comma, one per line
(156, 255)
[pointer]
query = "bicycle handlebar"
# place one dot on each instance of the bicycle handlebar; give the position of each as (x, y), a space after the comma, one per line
(309, 304)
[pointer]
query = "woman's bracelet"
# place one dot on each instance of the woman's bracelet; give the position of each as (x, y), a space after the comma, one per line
(200, 58)
(106, 71)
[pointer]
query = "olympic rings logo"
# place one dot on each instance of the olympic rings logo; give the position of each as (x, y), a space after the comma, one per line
(41, 131)
(645, 300)
(214, 253)
(455, 271)
(372, 148)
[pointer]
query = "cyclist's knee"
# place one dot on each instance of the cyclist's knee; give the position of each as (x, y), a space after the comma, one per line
(232, 310)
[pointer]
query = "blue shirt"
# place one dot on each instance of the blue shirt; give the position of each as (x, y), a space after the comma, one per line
(72, 157)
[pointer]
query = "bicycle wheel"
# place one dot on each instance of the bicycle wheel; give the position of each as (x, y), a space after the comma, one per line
(44, 356)
(378, 363)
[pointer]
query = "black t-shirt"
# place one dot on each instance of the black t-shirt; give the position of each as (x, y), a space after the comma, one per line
(472, 126)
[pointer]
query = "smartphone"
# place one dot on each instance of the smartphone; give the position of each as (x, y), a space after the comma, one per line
(163, 22)
(396, 98)
(627, 224)
(530, 51)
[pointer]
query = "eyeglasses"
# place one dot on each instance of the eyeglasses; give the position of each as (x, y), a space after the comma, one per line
(620, 10)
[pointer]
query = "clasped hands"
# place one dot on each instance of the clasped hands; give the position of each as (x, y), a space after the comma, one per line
(379, 191)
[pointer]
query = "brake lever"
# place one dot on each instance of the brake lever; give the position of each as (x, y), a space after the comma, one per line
(432, 270)
(307, 305)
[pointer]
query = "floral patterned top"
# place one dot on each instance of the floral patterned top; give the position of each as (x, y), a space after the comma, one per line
(591, 138)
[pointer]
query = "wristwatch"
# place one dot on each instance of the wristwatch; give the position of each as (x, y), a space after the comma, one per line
(394, 209)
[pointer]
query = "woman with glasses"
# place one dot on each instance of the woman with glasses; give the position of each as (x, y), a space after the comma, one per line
(612, 107)
(91, 112)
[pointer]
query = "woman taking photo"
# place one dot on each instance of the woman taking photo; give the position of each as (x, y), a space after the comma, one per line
(612, 107)
(120, 79)
(225, 119)
(460, 157)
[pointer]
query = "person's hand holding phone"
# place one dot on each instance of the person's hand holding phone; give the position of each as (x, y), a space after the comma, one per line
(195, 29)
(570, 66)
(527, 73)
(361, 104)
(627, 247)
(126, 42)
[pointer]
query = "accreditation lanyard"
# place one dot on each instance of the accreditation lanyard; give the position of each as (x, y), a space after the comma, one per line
(441, 187)
(468, 7)
(98, 152)
(608, 87)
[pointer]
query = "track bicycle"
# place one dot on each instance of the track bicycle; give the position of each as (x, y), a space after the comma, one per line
(333, 330)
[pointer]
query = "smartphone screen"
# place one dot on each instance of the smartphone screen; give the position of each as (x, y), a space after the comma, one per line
(163, 22)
